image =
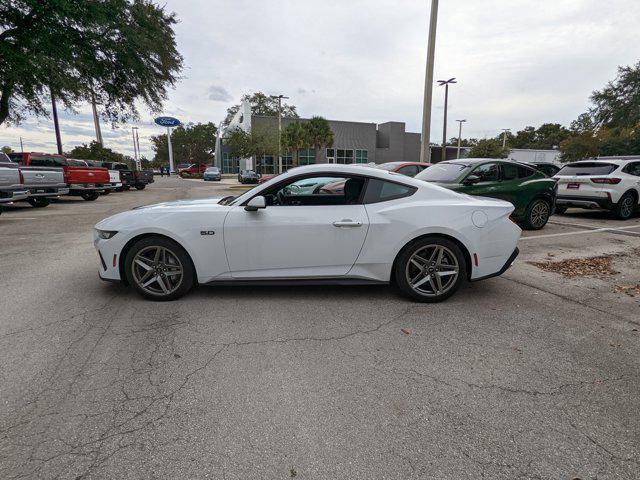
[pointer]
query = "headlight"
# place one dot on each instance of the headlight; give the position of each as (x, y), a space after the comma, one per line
(106, 234)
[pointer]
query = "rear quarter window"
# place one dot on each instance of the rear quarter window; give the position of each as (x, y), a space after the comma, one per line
(383, 191)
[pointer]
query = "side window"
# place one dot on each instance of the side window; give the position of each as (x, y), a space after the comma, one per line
(633, 169)
(315, 190)
(524, 172)
(41, 161)
(489, 172)
(409, 170)
(509, 171)
(383, 191)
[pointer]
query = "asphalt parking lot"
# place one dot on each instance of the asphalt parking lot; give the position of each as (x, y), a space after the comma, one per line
(530, 375)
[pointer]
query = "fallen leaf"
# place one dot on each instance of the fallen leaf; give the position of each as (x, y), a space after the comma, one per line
(405, 331)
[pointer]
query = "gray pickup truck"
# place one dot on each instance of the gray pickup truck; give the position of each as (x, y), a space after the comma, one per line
(40, 183)
(12, 188)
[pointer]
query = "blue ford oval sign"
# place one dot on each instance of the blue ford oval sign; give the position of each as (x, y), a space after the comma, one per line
(167, 121)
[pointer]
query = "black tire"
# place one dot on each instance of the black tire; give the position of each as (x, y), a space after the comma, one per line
(90, 196)
(537, 216)
(140, 187)
(625, 207)
(39, 202)
(152, 291)
(119, 189)
(105, 192)
(406, 269)
(560, 210)
(126, 188)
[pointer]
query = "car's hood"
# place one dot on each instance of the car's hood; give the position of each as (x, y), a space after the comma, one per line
(145, 213)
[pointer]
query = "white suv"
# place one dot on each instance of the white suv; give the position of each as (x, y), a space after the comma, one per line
(612, 183)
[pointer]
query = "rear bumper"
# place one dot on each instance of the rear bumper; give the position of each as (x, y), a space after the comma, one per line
(48, 191)
(8, 196)
(583, 202)
(89, 187)
(504, 268)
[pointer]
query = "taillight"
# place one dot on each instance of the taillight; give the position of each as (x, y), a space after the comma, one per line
(65, 175)
(136, 174)
(21, 177)
(610, 181)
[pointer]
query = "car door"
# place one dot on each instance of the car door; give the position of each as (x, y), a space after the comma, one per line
(305, 231)
(488, 182)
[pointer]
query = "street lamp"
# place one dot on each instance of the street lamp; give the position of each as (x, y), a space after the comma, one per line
(446, 101)
(279, 98)
(425, 149)
(134, 134)
(504, 137)
(460, 135)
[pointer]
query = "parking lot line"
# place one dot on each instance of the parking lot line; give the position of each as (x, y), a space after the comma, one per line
(583, 232)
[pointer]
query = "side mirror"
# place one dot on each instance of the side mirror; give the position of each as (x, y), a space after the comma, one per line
(471, 179)
(255, 204)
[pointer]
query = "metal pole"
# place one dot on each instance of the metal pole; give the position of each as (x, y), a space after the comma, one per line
(139, 154)
(279, 133)
(425, 150)
(504, 137)
(459, 136)
(444, 127)
(21, 146)
(56, 124)
(135, 150)
(170, 150)
(96, 120)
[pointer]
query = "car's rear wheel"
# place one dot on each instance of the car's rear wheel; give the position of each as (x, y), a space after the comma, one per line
(625, 206)
(430, 269)
(39, 202)
(90, 196)
(105, 192)
(560, 210)
(537, 215)
(159, 269)
(140, 187)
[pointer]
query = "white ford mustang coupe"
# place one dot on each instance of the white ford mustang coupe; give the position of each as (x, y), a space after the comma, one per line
(320, 224)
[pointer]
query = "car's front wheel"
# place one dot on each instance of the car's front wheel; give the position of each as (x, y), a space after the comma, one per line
(537, 215)
(39, 202)
(159, 269)
(140, 187)
(625, 207)
(430, 269)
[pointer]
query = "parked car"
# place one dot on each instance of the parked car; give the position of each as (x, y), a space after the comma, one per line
(549, 169)
(530, 191)
(612, 184)
(107, 187)
(193, 170)
(212, 173)
(410, 169)
(41, 183)
(376, 231)
(114, 175)
(86, 182)
(12, 188)
(138, 179)
(265, 177)
(248, 176)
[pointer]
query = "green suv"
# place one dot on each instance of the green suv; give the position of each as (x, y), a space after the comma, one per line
(529, 190)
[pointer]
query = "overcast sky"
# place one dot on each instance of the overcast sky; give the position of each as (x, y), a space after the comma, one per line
(517, 63)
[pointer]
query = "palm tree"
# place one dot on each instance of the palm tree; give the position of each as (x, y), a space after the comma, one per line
(294, 137)
(320, 135)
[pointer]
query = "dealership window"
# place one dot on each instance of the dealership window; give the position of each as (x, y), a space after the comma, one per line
(362, 156)
(287, 161)
(331, 155)
(307, 156)
(266, 164)
(344, 156)
(230, 165)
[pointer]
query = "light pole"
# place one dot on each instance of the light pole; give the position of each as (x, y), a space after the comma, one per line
(279, 98)
(139, 154)
(504, 137)
(56, 123)
(96, 120)
(460, 135)
(425, 150)
(135, 148)
(446, 102)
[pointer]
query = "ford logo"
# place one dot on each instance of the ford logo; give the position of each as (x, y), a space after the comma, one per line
(167, 121)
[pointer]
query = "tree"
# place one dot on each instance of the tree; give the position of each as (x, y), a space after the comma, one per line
(261, 104)
(260, 141)
(577, 147)
(239, 143)
(191, 143)
(319, 133)
(117, 51)
(94, 151)
(488, 148)
(618, 103)
(6, 149)
(294, 137)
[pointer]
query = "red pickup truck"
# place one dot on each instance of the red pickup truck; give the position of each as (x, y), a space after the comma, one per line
(86, 182)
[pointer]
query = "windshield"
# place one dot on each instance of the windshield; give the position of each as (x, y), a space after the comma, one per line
(442, 172)
(587, 168)
(212, 169)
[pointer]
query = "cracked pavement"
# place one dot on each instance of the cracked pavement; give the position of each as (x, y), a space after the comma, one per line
(530, 375)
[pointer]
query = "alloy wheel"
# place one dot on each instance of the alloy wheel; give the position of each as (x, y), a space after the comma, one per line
(432, 270)
(157, 270)
(626, 209)
(539, 214)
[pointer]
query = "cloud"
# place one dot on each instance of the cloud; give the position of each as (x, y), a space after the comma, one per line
(219, 94)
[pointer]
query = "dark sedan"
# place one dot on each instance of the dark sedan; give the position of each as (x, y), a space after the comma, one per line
(248, 176)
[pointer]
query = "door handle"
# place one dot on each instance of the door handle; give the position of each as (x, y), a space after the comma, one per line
(345, 222)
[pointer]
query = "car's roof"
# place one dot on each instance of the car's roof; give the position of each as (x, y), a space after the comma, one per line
(615, 160)
(403, 163)
(473, 161)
